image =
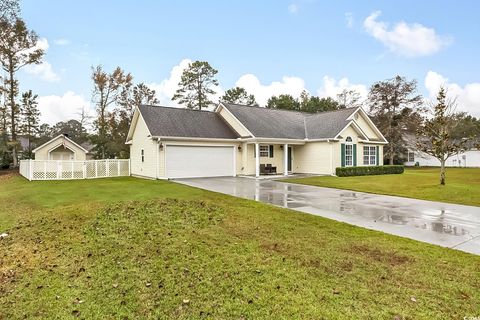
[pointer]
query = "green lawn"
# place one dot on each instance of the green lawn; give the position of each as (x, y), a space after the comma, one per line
(462, 187)
(127, 248)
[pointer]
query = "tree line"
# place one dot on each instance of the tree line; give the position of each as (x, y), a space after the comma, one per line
(406, 119)
(395, 105)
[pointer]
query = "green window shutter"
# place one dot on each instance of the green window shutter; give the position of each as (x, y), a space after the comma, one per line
(343, 154)
(254, 151)
(271, 151)
(377, 155)
(355, 155)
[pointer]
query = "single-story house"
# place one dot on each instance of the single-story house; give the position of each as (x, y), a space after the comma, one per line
(236, 140)
(465, 158)
(61, 148)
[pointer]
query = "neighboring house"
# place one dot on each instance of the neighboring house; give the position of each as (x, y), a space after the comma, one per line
(61, 148)
(470, 157)
(240, 140)
(467, 158)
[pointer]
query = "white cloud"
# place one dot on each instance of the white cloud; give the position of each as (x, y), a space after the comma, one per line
(61, 42)
(42, 43)
(55, 108)
(468, 96)
(332, 87)
(409, 40)
(167, 87)
(262, 92)
(288, 85)
(349, 18)
(293, 8)
(43, 70)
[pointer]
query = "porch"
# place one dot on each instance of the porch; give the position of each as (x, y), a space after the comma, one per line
(267, 159)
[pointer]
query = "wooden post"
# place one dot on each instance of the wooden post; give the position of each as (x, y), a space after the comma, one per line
(84, 170)
(96, 168)
(257, 160)
(285, 159)
(107, 165)
(30, 170)
(118, 167)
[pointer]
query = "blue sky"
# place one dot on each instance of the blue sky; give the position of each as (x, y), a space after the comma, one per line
(269, 47)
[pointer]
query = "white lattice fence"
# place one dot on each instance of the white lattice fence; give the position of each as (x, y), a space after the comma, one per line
(65, 169)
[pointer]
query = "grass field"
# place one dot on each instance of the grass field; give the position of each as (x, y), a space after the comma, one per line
(462, 187)
(126, 248)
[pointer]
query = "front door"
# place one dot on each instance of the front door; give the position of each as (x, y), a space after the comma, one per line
(289, 158)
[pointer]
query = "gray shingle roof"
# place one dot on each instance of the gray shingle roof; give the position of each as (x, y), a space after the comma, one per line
(327, 124)
(269, 123)
(176, 122)
(274, 123)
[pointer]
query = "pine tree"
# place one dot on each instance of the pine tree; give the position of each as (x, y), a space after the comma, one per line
(29, 118)
(17, 45)
(196, 86)
(239, 95)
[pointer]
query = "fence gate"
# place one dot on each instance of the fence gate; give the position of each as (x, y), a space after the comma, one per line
(69, 169)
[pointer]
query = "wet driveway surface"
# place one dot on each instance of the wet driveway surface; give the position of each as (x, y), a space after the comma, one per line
(448, 225)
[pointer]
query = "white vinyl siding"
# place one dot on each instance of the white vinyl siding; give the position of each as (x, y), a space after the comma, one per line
(60, 149)
(369, 155)
(145, 164)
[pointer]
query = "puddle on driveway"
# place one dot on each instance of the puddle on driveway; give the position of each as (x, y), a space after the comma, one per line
(434, 222)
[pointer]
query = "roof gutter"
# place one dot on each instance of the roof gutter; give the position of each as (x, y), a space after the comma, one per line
(323, 139)
(372, 142)
(293, 141)
(195, 139)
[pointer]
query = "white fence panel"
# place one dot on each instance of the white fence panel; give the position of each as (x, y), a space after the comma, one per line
(67, 170)
(25, 169)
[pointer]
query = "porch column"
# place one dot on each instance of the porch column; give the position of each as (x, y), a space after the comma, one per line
(257, 160)
(285, 159)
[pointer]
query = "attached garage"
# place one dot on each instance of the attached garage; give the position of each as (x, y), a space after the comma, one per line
(170, 143)
(183, 161)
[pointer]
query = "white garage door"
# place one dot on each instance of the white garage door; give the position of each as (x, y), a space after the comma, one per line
(199, 161)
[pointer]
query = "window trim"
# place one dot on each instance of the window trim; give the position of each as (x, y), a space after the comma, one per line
(371, 155)
(347, 164)
(408, 156)
(267, 151)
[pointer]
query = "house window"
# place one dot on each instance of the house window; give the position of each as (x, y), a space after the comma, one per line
(349, 155)
(369, 155)
(411, 157)
(143, 156)
(264, 151)
(348, 139)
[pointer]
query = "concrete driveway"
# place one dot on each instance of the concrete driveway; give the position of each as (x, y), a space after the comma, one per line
(448, 225)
